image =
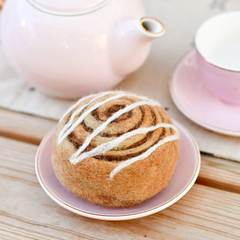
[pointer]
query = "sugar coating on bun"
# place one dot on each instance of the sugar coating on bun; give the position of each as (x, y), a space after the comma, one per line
(115, 148)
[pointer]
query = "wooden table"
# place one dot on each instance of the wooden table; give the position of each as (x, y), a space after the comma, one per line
(210, 210)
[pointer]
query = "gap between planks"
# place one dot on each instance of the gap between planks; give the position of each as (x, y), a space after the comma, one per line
(24, 127)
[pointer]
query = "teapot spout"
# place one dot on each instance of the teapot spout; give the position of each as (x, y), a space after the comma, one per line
(129, 50)
(151, 27)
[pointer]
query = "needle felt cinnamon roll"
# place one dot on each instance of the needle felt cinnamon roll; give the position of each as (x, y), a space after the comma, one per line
(115, 149)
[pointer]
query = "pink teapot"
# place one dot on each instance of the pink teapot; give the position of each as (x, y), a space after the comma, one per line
(71, 48)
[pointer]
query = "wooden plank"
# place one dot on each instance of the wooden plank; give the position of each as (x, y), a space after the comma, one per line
(220, 173)
(26, 212)
(24, 127)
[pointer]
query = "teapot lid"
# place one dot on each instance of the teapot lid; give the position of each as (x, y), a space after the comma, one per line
(68, 8)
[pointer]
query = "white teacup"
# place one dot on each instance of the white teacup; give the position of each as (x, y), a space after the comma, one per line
(218, 44)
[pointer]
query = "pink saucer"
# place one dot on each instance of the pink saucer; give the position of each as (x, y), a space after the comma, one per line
(183, 179)
(197, 103)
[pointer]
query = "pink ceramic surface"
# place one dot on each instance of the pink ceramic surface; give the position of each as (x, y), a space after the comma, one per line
(198, 103)
(217, 42)
(183, 179)
(67, 53)
(223, 83)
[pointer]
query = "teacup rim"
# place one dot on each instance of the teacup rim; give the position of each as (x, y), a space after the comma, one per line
(197, 48)
(222, 68)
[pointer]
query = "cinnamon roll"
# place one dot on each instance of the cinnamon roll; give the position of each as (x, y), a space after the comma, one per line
(115, 149)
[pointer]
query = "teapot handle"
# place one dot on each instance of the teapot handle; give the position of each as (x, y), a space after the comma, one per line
(89, 10)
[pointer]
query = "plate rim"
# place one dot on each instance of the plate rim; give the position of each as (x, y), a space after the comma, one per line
(185, 112)
(119, 217)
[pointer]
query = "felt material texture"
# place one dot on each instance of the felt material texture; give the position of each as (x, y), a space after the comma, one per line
(135, 183)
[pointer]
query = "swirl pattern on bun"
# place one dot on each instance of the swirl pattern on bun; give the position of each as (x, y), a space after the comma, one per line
(106, 140)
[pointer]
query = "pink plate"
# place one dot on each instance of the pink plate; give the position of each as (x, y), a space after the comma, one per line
(197, 103)
(183, 179)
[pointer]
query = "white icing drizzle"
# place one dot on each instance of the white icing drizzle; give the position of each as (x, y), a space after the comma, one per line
(76, 104)
(143, 155)
(66, 131)
(105, 147)
(103, 126)
(69, 127)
